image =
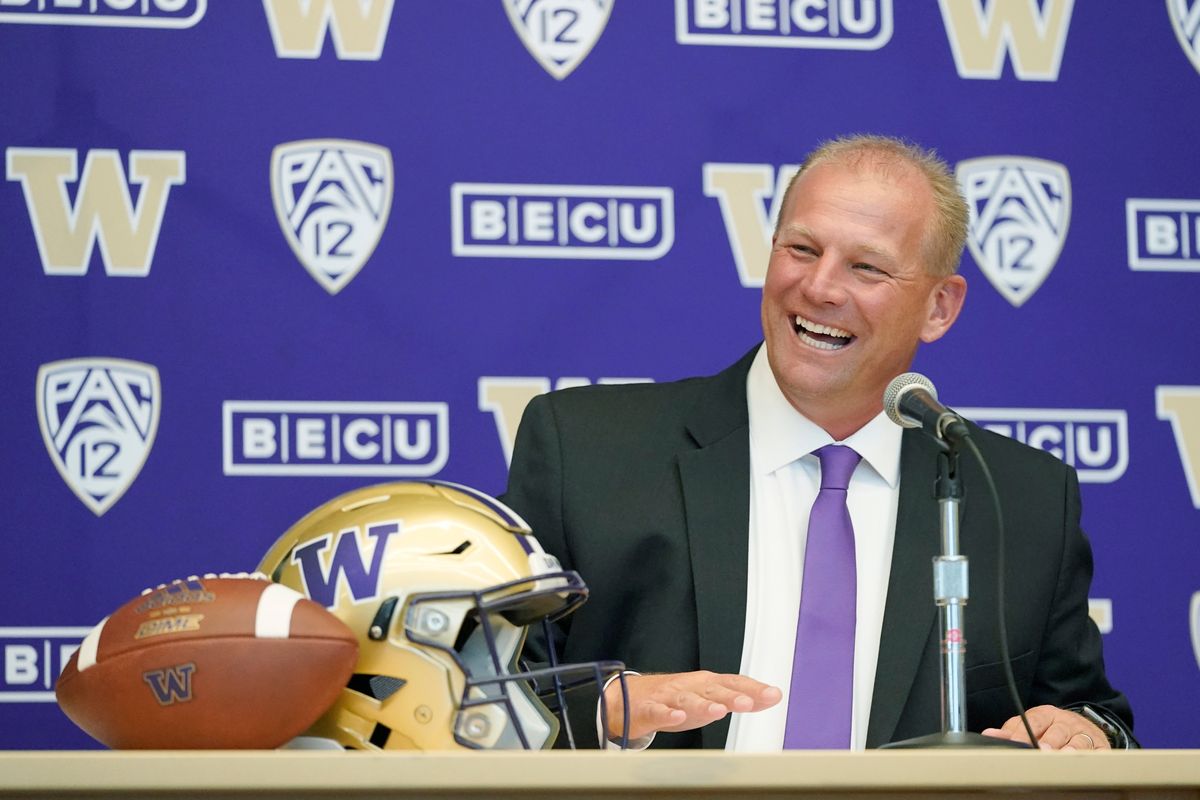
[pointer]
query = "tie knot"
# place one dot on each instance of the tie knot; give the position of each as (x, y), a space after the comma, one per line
(837, 465)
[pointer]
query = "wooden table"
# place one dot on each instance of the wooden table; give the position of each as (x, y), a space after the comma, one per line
(1146, 774)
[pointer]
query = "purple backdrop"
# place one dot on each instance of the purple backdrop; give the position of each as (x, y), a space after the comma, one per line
(258, 254)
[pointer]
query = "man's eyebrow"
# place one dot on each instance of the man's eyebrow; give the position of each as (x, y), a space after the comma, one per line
(880, 252)
(797, 230)
(859, 247)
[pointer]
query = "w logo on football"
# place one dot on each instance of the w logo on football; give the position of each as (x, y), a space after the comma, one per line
(1020, 210)
(559, 33)
(171, 685)
(98, 418)
(332, 198)
(1185, 18)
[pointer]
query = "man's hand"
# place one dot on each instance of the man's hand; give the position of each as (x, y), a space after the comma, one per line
(1055, 729)
(683, 701)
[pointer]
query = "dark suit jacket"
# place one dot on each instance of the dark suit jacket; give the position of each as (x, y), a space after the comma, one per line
(644, 490)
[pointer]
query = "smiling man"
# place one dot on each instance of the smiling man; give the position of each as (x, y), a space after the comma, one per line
(760, 540)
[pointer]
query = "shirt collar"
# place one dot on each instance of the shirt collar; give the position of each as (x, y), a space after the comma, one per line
(780, 435)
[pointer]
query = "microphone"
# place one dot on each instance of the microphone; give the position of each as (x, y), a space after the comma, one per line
(910, 401)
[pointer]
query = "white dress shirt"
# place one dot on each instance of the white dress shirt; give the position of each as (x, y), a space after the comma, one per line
(784, 481)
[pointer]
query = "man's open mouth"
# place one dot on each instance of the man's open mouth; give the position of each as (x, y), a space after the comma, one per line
(823, 337)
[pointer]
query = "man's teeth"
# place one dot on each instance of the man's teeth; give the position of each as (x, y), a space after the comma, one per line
(816, 327)
(806, 327)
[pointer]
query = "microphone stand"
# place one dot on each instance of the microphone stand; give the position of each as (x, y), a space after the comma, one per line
(950, 593)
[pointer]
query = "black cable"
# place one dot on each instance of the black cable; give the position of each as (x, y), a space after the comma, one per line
(1001, 620)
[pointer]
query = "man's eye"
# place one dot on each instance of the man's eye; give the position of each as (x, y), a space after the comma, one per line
(869, 268)
(803, 248)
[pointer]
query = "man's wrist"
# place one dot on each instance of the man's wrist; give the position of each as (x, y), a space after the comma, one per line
(1114, 729)
(617, 742)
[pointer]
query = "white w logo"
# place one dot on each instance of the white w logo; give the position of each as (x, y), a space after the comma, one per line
(103, 210)
(1033, 39)
(359, 27)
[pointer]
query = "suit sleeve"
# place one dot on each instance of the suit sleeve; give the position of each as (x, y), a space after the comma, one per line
(1071, 672)
(535, 491)
(535, 477)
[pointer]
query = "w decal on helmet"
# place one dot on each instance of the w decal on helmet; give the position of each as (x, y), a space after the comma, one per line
(345, 566)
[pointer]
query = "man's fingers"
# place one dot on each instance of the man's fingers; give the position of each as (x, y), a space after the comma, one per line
(1055, 729)
(662, 715)
(739, 683)
(725, 689)
(729, 698)
(1014, 729)
(1056, 736)
(694, 705)
(1081, 741)
(682, 701)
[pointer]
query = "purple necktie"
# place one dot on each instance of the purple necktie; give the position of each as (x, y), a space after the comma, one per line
(820, 702)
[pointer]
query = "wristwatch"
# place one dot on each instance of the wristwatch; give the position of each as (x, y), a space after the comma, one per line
(1118, 735)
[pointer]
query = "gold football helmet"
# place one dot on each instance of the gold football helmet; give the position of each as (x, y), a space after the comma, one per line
(439, 582)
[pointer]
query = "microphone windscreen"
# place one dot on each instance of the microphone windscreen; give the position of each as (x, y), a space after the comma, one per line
(897, 388)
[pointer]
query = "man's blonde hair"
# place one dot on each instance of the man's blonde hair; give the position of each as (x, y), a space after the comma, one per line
(947, 231)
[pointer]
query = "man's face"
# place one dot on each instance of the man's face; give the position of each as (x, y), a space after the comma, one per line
(847, 296)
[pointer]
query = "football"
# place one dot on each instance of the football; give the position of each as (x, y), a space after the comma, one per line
(212, 662)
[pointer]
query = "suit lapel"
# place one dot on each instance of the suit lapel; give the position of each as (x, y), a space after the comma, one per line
(909, 612)
(717, 508)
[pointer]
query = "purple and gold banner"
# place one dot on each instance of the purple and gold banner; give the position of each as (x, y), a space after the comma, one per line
(258, 254)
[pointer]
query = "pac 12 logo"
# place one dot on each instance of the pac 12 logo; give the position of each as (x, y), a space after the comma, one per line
(332, 198)
(98, 417)
(828, 24)
(514, 220)
(335, 438)
(559, 34)
(33, 660)
(121, 13)
(1094, 441)
(1020, 210)
(1185, 19)
(1163, 235)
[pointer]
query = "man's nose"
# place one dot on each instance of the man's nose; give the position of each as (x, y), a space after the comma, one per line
(824, 283)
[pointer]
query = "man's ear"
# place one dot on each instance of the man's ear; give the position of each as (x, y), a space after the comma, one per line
(945, 301)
